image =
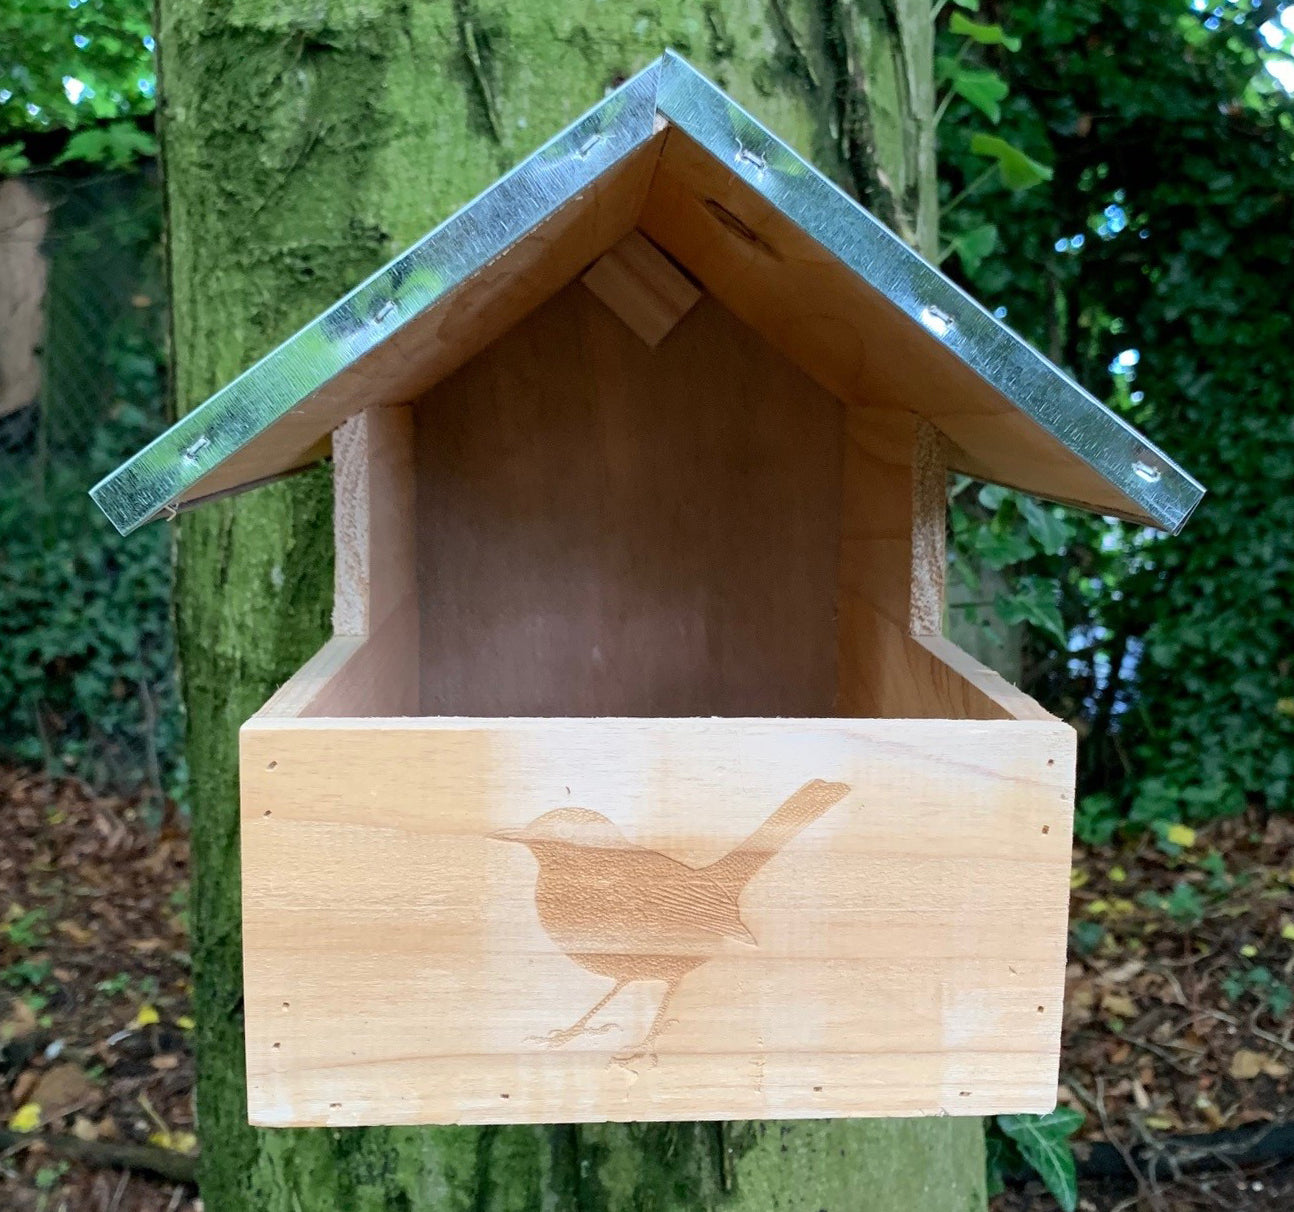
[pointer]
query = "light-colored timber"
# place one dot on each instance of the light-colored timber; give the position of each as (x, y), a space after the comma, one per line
(642, 286)
(887, 936)
(850, 338)
(637, 912)
(611, 529)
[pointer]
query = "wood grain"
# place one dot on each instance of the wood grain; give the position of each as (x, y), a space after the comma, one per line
(610, 529)
(370, 666)
(373, 520)
(906, 937)
(893, 510)
(375, 675)
(464, 916)
(642, 286)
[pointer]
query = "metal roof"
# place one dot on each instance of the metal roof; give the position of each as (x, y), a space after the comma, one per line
(786, 250)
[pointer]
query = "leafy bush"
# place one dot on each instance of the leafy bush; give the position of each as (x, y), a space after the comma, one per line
(86, 646)
(1152, 263)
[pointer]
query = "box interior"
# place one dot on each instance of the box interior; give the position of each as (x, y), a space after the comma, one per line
(575, 523)
(610, 529)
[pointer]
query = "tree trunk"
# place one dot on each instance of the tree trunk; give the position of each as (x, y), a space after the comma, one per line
(304, 144)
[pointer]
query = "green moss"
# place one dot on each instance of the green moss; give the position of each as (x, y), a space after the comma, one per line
(304, 144)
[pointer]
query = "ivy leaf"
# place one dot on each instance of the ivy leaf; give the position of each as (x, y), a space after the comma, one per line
(1033, 601)
(983, 88)
(1044, 1141)
(991, 496)
(972, 5)
(1018, 170)
(995, 1158)
(116, 145)
(1001, 546)
(974, 245)
(12, 160)
(985, 35)
(1049, 527)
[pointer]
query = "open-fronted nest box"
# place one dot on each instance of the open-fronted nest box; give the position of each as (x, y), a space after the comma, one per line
(638, 781)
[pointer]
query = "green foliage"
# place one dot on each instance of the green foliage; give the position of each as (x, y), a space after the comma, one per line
(985, 35)
(28, 931)
(983, 88)
(1184, 904)
(998, 530)
(1020, 1144)
(26, 974)
(1270, 993)
(114, 146)
(1152, 264)
(1085, 936)
(48, 1177)
(1017, 170)
(114, 986)
(74, 66)
(973, 245)
(12, 160)
(981, 85)
(86, 648)
(1097, 818)
(86, 680)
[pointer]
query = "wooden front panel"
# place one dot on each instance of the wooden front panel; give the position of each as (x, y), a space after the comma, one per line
(573, 920)
(607, 528)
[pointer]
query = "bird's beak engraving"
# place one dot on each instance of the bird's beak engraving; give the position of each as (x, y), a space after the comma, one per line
(632, 914)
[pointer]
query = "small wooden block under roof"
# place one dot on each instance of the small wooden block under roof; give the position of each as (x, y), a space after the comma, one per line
(642, 286)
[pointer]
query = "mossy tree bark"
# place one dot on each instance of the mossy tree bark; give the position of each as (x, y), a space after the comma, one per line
(304, 144)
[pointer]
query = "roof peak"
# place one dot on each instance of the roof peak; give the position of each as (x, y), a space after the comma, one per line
(1024, 420)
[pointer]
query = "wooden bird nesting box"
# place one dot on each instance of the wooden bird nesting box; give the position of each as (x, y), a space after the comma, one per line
(638, 781)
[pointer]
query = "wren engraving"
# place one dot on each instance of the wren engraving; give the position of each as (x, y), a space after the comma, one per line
(633, 914)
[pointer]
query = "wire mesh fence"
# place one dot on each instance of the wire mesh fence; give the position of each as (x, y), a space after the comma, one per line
(86, 643)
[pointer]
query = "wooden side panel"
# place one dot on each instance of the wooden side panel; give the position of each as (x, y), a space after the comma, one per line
(373, 519)
(572, 920)
(971, 684)
(335, 664)
(372, 675)
(893, 509)
(610, 529)
(370, 666)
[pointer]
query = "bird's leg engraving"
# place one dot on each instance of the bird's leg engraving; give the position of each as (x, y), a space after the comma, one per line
(659, 1025)
(556, 1038)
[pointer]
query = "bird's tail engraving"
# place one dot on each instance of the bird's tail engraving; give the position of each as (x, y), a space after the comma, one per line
(799, 812)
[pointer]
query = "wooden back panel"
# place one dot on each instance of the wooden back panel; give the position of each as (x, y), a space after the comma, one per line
(611, 529)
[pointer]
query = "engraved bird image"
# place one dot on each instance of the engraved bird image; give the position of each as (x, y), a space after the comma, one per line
(633, 914)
